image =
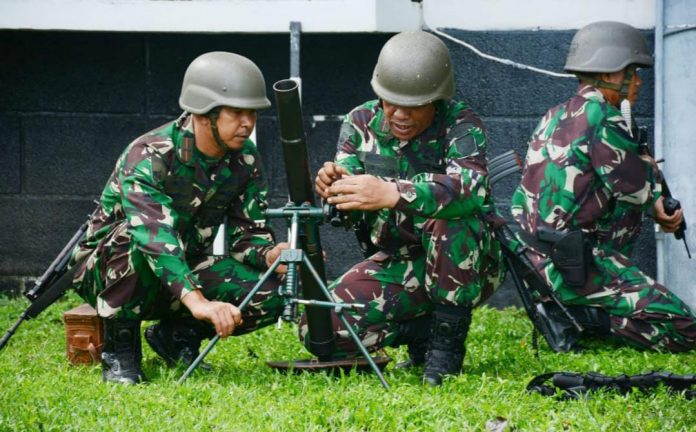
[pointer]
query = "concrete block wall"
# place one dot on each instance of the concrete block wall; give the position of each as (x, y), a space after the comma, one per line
(71, 101)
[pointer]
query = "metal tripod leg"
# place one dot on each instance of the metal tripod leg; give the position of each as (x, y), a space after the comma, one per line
(341, 316)
(241, 306)
(292, 257)
(338, 306)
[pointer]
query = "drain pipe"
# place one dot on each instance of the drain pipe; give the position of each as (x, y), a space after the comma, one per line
(659, 113)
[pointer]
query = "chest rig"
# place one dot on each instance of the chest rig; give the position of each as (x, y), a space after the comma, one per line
(427, 159)
(201, 198)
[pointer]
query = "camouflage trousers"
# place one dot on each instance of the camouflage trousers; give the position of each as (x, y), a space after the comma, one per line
(117, 281)
(642, 312)
(459, 263)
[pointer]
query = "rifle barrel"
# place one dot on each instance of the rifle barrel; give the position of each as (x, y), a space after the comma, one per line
(12, 330)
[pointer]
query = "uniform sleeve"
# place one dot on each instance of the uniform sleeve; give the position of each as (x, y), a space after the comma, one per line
(458, 193)
(151, 224)
(249, 237)
(349, 140)
(346, 149)
(630, 180)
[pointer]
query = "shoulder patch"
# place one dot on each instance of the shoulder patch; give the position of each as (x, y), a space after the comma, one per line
(461, 138)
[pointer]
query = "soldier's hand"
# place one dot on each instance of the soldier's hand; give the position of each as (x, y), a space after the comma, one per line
(326, 176)
(224, 316)
(273, 254)
(363, 192)
(668, 223)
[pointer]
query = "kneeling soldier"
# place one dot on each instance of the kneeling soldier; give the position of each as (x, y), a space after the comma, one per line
(583, 193)
(146, 252)
(411, 166)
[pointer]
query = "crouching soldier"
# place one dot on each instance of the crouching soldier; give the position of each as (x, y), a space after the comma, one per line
(146, 254)
(583, 193)
(411, 166)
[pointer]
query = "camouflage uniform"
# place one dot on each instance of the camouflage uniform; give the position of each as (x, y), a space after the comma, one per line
(147, 244)
(434, 246)
(583, 171)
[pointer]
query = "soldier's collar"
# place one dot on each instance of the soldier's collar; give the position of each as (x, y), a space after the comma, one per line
(438, 127)
(589, 91)
(186, 140)
(379, 123)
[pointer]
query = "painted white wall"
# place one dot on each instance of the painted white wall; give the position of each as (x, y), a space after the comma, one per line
(675, 103)
(535, 14)
(228, 16)
(268, 16)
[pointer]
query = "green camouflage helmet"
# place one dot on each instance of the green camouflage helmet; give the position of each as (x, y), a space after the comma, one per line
(413, 69)
(217, 79)
(607, 46)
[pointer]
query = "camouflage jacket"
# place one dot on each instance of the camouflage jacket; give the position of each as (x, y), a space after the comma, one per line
(583, 171)
(173, 199)
(440, 174)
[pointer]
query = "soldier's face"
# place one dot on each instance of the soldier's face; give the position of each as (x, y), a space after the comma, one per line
(408, 122)
(633, 87)
(613, 96)
(235, 126)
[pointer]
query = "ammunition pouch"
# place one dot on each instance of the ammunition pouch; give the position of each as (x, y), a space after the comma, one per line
(570, 252)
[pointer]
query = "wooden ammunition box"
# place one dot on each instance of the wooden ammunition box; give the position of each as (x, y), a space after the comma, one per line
(84, 335)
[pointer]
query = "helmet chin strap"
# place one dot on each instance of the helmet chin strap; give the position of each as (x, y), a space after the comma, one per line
(213, 116)
(621, 88)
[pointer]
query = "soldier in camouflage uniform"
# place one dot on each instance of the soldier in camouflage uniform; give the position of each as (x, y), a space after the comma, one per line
(583, 172)
(412, 166)
(146, 254)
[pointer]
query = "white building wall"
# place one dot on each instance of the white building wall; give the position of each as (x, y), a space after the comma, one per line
(268, 16)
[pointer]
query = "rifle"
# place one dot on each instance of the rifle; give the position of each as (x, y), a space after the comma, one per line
(51, 286)
(670, 203)
(551, 318)
(640, 134)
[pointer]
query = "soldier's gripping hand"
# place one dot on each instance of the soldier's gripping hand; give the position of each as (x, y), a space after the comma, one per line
(273, 254)
(326, 176)
(363, 192)
(668, 223)
(224, 316)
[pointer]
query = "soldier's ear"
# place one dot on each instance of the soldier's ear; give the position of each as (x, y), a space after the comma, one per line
(201, 119)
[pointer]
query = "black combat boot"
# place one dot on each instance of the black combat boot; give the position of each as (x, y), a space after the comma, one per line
(179, 340)
(594, 321)
(560, 332)
(555, 326)
(122, 353)
(448, 330)
(414, 333)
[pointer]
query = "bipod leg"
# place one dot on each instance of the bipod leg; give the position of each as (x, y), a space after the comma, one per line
(341, 316)
(241, 306)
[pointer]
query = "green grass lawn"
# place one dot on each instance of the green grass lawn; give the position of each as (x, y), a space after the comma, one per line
(39, 390)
